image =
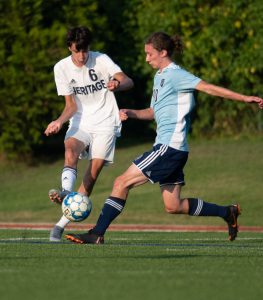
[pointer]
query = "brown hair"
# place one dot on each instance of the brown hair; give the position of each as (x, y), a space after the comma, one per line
(162, 41)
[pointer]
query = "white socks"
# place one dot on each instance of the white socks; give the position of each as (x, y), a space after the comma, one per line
(63, 222)
(68, 179)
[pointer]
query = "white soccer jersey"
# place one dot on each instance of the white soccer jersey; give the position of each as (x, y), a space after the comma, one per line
(97, 106)
(172, 102)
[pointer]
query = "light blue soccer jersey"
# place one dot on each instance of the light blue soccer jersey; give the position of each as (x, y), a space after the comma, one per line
(172, 102)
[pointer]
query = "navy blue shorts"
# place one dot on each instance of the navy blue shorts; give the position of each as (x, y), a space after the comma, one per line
(163, 164)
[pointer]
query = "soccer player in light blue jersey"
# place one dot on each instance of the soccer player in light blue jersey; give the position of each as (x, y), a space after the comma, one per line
(171, 104)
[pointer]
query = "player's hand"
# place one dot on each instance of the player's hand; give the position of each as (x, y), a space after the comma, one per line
(53, 128)
(112, 85)
(123, 114)
(254, 99)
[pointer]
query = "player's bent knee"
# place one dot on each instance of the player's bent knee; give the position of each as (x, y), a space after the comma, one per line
(174, 209)
(119, 184)
(70, 153)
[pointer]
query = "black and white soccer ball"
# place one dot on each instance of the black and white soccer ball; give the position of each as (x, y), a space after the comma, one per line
(76, 207)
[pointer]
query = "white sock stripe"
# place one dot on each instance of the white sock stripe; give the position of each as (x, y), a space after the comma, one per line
(199, 207)
(114, 204)
(148, 160)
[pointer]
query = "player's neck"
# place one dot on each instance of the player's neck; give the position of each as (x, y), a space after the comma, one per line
(164, 64)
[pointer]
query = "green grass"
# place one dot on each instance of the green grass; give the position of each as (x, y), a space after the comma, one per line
(219, 171)
(131, 266)
(143, 265)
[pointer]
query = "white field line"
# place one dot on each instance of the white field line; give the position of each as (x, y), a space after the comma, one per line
(135, 239)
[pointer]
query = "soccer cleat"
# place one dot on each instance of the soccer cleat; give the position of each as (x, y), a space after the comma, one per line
(85, 238)
(57, 196)
(56, 234)
(231, 219)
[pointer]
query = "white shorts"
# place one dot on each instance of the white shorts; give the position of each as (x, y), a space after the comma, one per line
(98, 145)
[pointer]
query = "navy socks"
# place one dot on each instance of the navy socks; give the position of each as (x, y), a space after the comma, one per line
(198, 207)
(113, 206)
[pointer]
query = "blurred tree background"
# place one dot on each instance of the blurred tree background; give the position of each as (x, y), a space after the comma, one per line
(223, 42)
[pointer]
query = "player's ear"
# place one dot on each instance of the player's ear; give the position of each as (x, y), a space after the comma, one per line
(163, 53)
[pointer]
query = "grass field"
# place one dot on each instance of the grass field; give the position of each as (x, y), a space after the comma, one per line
(222, 171)
(132, 266)
(138, 265)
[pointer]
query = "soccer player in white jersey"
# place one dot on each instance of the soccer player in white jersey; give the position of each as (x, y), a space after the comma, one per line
(171, 103)
(87, 80)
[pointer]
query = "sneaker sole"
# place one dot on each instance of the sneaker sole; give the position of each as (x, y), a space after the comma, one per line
(99, 241)
(54, 196)
(73, 239)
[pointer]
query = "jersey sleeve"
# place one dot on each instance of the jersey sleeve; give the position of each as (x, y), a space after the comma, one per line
(184, 80)
(110, 67)
(62, 84)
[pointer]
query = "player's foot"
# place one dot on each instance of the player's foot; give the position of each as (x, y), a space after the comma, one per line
(57, 196)
(85, 238)
(231, 219)
(56, 234)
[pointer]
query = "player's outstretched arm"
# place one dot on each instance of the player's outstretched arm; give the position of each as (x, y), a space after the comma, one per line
(69, 110)
(141, 114)
(226, 93)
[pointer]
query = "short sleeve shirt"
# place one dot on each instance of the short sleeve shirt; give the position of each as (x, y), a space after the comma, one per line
(97, 107)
